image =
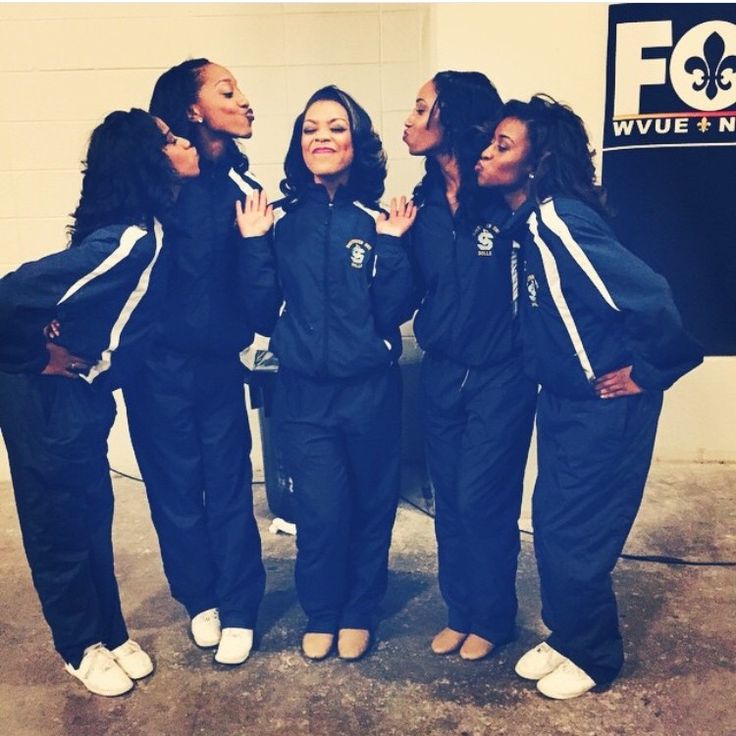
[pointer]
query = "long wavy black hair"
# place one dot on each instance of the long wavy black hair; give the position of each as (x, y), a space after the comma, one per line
(368, 170)
(560, 154)
(175, 91)
(469, 106)
(127, 177)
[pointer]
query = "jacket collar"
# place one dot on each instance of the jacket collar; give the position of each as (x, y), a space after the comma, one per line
(318, 193)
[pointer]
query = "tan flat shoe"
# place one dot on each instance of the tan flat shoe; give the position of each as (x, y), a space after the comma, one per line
(317, 646)
(448, 641)
(352, 644)
(475, 647)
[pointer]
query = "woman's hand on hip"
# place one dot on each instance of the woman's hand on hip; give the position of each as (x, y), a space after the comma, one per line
(63, 363)
(616, 384)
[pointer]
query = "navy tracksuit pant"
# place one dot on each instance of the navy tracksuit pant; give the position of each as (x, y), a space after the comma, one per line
(594, 456)
(341, 440)
(55, 430)
(478, 426)
(189, 428)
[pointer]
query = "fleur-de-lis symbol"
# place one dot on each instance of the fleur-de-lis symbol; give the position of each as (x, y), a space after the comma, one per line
(712, 65)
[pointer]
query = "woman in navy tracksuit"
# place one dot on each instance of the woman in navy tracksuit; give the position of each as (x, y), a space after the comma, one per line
(186, 413)
(56, 404)
(347, 285)
(478, 406)
(603, 338)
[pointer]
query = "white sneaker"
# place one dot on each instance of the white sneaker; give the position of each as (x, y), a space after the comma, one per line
(100, 673)
(538, 662)
(235, 645)
(206, 628)
(134, 661)
(567, 681)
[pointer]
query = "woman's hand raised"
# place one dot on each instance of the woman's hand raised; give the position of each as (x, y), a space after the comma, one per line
(400, 218)
(255, 216)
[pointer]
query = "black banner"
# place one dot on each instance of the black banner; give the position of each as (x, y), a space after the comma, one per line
(669, 153)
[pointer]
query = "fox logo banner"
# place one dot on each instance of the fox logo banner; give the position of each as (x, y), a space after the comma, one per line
(673, 81)
(669, 153)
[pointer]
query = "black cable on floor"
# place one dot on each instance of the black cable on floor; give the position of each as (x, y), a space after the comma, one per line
(657, 559)
(125, 475)
(140, 480)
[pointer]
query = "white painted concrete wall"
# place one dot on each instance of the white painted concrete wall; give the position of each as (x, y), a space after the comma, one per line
(64, 66)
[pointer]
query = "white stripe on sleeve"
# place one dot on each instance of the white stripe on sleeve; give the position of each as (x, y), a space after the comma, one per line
(131, 302)
(375, 214)
(553, 221)
(128, 239)
(555, 287)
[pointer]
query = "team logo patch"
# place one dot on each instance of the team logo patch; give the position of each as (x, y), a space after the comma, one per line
(484, 235)
(531, 288)
(358, 249)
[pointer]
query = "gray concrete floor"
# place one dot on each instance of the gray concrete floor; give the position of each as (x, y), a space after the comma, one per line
(677, 622)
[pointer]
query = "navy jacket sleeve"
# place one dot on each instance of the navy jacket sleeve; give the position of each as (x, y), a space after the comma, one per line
(614, 279)
(91, 288)
(392, 287)
(28, 300)
(22, 343)
(259, 281)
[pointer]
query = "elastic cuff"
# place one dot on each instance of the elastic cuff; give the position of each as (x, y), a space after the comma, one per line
(194, 608)
(458, 623)
(495, 636)
(356, 621)
(602, 676)
(238, 619)
(74, 656)
(321, 626)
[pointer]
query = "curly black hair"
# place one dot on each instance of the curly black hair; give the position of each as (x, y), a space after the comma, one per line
(127, 177)
(560, 154)
(368, 170)
(175, 91)
(468, 105)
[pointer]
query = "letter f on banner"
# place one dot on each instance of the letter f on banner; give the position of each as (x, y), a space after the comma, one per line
(633, 71)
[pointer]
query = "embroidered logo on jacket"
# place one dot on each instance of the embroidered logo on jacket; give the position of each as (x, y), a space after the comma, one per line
(484, 235)
(358, 249)
(531, 288)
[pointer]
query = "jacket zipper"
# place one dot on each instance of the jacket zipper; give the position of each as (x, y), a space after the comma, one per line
(462, 385)
(326, 354)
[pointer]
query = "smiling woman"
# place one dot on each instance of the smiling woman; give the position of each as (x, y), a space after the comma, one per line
(341, 267)
(327, 145)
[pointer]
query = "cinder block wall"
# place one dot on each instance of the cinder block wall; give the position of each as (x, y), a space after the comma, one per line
(65, 66)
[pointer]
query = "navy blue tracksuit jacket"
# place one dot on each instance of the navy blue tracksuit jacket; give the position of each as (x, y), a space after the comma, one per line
(337, 402)
(477, 408)
(589, 306)
(106, 292)
(186, 410)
